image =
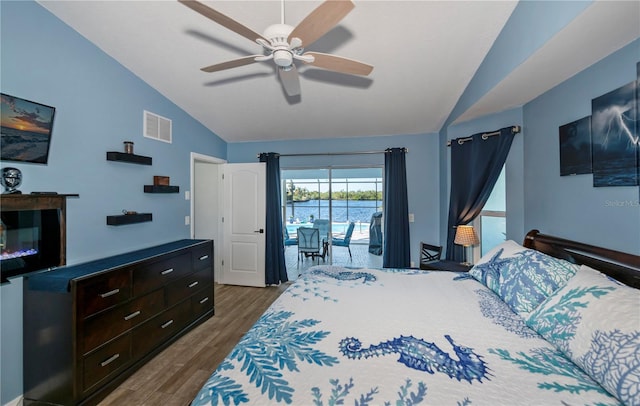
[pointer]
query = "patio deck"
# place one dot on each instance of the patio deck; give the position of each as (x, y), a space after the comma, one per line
(359, 251)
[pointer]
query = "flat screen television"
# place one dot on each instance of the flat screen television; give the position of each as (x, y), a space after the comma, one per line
(26, 130)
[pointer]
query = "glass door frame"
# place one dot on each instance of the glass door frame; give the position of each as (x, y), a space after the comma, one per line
(379, 204)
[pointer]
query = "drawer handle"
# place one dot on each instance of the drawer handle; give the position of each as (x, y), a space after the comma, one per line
(204, 300)
(166, 271)
(132, 315)
(110, 360)
(193, 284)
(167, 324)
(110, 293)
(202, 258)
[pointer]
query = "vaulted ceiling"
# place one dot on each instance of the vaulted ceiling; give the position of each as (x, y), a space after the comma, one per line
(424, 54)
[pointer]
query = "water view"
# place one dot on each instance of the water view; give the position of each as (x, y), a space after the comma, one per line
(342, 211)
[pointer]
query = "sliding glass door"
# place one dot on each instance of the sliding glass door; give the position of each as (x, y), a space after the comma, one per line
(345, 199)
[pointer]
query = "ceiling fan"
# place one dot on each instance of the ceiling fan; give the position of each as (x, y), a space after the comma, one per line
(283, 43)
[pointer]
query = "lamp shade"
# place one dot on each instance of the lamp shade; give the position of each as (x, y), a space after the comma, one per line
(466, 236)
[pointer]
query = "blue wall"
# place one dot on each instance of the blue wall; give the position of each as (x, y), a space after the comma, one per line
(537, 196)
(422, 169)
(99, 104)
(569, 205)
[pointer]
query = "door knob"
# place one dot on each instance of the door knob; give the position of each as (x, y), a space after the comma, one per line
(261, 231)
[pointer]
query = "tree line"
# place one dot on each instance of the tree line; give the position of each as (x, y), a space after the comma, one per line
(302, 194)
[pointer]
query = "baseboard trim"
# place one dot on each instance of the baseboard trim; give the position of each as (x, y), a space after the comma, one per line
(16, 402)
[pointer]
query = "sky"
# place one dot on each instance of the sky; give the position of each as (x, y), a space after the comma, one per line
(25, 115)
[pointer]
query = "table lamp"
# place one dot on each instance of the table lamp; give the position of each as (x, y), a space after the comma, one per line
(466, 236)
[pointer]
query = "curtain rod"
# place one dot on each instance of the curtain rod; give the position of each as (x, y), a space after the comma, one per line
(338, 153)
(515, 130)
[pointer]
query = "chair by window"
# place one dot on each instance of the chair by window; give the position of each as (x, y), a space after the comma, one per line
(288, 240)
(308, 242)
(429, 253)
(344, 242)
(323, 228)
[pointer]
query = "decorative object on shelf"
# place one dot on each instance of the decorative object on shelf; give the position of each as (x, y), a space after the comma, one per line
(128, 147)
(161, 181)
(467, 237)
(11, 179)
(128, 212)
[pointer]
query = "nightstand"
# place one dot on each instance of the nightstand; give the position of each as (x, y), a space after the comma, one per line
(444, 265)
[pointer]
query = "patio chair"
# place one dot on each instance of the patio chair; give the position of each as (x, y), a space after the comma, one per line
(288, 240)
(323, 228)
(308, 242)
(344, 242)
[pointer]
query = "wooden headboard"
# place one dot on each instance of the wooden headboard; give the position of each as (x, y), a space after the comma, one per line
(619, 265)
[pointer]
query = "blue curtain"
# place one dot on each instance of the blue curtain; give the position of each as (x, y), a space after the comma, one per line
(476, 163)
(396, 253)
(275, 265)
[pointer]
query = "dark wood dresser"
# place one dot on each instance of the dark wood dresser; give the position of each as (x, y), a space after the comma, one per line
(88, 327)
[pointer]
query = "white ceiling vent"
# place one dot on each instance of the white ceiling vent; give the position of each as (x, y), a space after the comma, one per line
(157, 127)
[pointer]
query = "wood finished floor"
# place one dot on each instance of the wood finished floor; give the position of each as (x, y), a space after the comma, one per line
(174, 377)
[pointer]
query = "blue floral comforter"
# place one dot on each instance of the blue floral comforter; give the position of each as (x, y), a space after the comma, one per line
(395, 336)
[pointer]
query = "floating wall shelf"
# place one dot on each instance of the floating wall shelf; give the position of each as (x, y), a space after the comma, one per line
(130, 158)
(128, 219)
(161, 189)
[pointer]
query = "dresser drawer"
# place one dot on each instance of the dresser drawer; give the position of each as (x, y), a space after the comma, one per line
(202, 301)
(105, 326)
(102, 292)
(106, 361)
(187, 286)
(150, 334)
(202, 256)
(150, 276)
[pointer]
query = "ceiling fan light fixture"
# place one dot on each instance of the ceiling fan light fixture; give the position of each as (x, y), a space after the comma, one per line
(282, 57)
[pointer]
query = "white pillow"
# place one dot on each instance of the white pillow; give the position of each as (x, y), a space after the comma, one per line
(595, 321)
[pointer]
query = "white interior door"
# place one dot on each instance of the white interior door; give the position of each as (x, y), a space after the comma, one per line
(206, 203)
(244, 224)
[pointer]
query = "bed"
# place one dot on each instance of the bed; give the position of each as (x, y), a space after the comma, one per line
(534, 324)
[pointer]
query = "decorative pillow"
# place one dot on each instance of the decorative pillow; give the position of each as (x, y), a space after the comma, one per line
(487, 269)
(522, 277)
(595, 321)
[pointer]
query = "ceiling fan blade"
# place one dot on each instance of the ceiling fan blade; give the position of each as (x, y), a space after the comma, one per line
(222, 19)
(231, 64)
(339, 64)
(290, 80)
(326, 16)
